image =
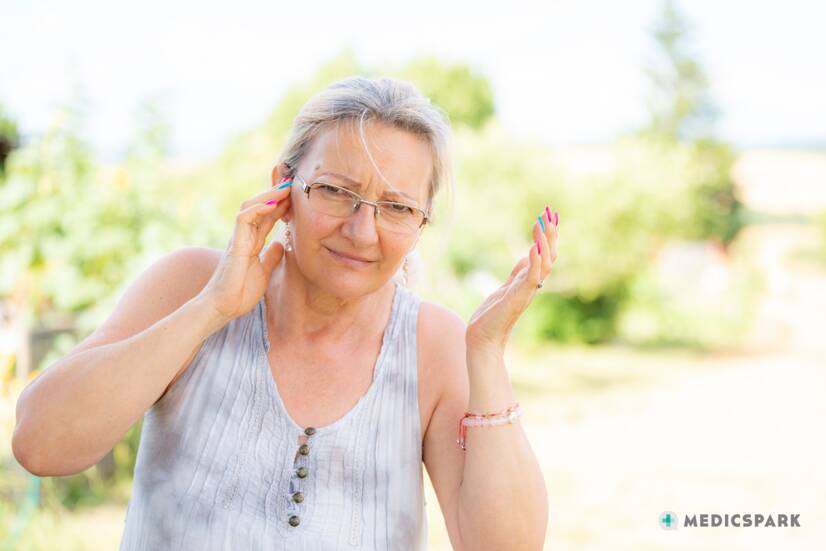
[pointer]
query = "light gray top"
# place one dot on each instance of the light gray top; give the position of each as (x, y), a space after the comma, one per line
(218, 462)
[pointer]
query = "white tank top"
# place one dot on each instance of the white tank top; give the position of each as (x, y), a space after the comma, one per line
(219, 465)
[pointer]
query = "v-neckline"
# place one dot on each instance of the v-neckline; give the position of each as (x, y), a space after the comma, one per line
(378, 367)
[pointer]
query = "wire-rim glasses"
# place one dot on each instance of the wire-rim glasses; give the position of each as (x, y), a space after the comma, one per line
(341, 202)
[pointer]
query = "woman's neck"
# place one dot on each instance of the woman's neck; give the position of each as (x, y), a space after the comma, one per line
(298, 309)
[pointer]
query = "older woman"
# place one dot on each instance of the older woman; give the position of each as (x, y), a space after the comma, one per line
(290, 396)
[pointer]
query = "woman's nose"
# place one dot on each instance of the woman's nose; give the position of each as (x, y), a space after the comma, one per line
(360, 226)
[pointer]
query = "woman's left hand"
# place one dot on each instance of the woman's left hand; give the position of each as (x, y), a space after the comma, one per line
(491, 323)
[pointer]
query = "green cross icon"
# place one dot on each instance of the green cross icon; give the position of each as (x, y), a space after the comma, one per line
(669, 520)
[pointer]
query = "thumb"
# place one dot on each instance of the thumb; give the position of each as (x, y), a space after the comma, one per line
(272, 256)
(518, 268)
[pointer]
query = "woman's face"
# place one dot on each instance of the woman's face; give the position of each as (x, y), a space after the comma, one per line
(320, 241)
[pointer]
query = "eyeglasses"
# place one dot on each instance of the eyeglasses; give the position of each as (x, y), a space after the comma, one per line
(341, 202)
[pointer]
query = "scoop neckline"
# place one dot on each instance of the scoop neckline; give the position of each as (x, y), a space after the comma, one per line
(378, 368)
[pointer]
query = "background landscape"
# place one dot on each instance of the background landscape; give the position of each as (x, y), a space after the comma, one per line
(674, 359)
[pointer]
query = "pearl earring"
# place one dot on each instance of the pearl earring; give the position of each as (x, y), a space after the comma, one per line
(288, 240)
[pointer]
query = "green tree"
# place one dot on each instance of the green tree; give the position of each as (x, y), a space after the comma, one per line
(680, 105)
(683, 114)
(464, 94)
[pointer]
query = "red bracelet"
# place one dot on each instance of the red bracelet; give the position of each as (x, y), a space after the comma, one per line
(469, 419)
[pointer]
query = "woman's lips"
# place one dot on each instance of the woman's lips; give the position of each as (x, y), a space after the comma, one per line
(349, 260)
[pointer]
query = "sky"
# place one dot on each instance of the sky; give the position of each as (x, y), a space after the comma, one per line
(564, 72)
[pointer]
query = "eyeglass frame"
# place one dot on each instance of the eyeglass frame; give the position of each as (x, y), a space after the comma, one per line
(358, 200)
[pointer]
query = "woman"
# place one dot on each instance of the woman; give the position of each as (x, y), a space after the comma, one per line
(291, 396)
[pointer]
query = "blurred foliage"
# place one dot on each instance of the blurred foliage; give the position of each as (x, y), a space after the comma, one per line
(465, 95)
(73, 233)
(679, 101)
(9, 139)
(815, 253)
(618, 202)
(682, 111)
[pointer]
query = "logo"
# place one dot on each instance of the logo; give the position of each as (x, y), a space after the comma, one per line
(669, 520)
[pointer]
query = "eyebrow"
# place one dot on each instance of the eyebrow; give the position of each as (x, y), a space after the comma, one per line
(358, 185)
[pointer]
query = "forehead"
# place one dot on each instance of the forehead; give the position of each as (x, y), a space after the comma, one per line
(403, 161)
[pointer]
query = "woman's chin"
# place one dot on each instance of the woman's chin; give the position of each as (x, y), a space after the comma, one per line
(346, 285)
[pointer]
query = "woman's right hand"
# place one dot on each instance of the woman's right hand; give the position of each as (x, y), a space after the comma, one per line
(241, 277)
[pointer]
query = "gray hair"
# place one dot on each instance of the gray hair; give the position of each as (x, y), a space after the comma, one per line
(383, 99)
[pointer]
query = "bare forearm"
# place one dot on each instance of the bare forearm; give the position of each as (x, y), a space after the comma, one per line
(502, 500)
(73, 413)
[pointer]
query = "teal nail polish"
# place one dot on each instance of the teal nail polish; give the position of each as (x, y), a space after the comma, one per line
(285, 184)
(541, 223)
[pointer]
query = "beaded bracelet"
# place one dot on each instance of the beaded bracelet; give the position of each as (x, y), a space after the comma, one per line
(486, 420)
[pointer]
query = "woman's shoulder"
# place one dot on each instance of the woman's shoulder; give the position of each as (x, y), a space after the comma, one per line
(187, 269)
(440, 330)
(204, 258)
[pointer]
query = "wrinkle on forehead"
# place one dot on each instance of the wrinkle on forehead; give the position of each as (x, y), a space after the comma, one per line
(376, 145)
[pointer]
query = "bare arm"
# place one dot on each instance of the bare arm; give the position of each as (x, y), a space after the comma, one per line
(72, 414)
(77, 409)
(492, 495)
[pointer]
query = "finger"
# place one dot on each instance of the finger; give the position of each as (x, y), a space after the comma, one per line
(518, 268)
(553, 232)
(272, 256)
(532, 272)
(248, 232)
(272, 193)
(544, 246)
(269, 219)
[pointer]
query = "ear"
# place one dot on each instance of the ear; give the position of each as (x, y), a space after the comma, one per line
(278, 172)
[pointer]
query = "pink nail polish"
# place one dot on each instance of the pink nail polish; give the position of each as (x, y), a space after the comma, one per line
(556, 218)
(538, 247)
(272, 202)
(548, 213)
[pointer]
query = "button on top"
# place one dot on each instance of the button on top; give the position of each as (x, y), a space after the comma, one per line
(309, 431)
(304, 449)
(302, 472)
(298, 497)
(294, 521)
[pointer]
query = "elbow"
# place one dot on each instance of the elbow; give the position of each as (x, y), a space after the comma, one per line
(37, 459)
(25, 454)
(22, 443)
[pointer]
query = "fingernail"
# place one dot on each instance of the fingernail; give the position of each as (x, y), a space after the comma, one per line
(272, 202)
(538, 247)
(556, 218)
(284, 179)
(548, 213)
(286, 184)
(541, 223)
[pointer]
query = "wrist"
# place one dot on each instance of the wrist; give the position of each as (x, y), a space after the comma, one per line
(208, 314)
(484, 352)
(485, 344)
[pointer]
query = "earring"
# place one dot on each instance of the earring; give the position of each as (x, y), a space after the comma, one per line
(405, 272)
(288, 240)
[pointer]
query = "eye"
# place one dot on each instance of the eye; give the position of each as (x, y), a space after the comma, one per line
(399, 208)
(332, 190)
